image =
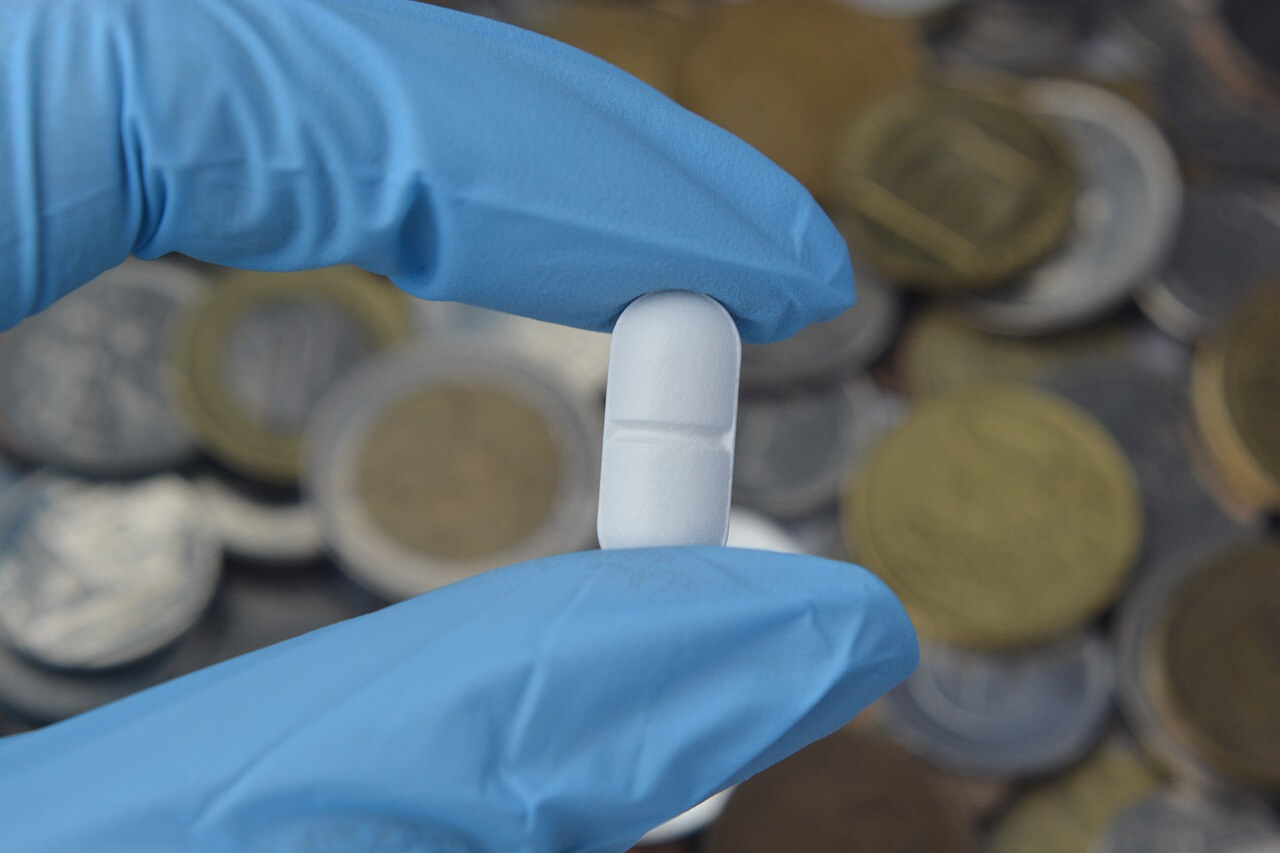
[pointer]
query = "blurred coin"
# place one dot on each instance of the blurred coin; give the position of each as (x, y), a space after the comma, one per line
(640, 38)
(1005, 715)
(86, 385)
(1001, 516)
(1069, 813)
(439, 461)
(1214, 672)
(941, 354)
(1228, 243)
(259, 529)
(1150, 417)
(98, 575)
(785, 75)
(262, 348)
(847, 792)
(827, 352)
(1012, 36)
(1126, 216)
(954, 189)
(1236, 385)
(1175, 821)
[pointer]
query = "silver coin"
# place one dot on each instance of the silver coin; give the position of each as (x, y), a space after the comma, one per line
(1004, 715)
(1127, 213)
(95, 575)
(793, 453)
(1228, 243)
(340, 435)
(1149, 416)
(88, 384)
(824, 353)
(1174, 821)
(260, 530)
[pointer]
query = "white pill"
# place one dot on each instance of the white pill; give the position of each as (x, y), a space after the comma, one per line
(671, 407)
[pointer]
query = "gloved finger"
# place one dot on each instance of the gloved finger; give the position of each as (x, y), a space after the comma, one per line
(567, 704)
(469, 160)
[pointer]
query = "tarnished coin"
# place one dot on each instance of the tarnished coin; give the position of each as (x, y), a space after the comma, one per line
(257, 528)
(640, 38)
(1149, 416)
(1127, 213)
(1215, 664)
(87, 384)
(954, 189)
(786, 75)
(825, 353)
(1228, 243)
(847, 792)
(1070, 813)
(439, 461)
(1236, 385)
(98, 575)
(1001, 516)
(262, 348)
(941, 353)
(1178, 821)
(1004, 715)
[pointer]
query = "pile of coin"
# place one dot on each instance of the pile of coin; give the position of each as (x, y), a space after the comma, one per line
(1051, 424)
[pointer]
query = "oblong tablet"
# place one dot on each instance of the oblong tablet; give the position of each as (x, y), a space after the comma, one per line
(671, 408)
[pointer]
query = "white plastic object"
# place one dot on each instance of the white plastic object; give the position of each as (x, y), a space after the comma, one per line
(671, 408)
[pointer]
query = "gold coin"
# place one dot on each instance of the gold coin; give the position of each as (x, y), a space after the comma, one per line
(1216, 669)
(1001, 516)
(787, 75)
(486, 479)
(258, 353)
(1235, 389)
(941, 354)
(1068, 814)
(955, 189)
(642, 39)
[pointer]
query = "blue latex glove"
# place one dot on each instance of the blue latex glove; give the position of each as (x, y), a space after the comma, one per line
(566, 704)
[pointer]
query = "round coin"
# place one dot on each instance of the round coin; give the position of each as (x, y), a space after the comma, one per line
(258, 529)
(1012, 36)
(1126, 216)
(94, 575)
(847, 792)
(1216, 664)
(87, 384)
(1174, 821)
(262, 348)
(442, 460)
(1003, 715)
(785, 75)
(954, 189)
(1070, 813)
(1228, 243)
(1001, 516)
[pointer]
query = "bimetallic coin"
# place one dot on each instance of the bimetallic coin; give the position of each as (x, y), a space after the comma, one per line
(98, 575)
(87, 384)
(262, 349)
(1004, 715)
(1214, 670)
(785, 75)
(1149, 416)
(847, 792)
(258, 529)
(1001, 516)
(442, 460)
(1070, 813)
(828, 352)
(1126, 216)
(1229, 243)
(942, 354)
(954, 189)
(1177, 821)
